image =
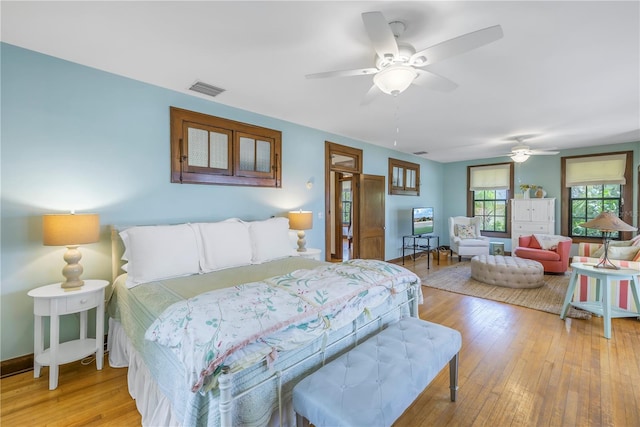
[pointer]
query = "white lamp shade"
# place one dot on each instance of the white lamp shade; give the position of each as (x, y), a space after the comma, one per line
(395, 78)
(301, 220)
(70, 229)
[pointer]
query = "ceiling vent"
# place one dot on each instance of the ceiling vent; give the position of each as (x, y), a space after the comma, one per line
(206, 89)
(420, 153)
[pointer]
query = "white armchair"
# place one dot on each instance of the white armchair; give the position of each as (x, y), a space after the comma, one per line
(465, 238)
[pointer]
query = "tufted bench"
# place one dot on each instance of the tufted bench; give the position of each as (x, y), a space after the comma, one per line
(374, 383)
(511, 272)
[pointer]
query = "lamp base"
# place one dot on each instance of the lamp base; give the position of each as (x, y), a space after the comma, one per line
(73, 270)
(301, 241)
(604, 261)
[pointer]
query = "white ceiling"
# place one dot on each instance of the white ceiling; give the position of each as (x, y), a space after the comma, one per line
(566, 71)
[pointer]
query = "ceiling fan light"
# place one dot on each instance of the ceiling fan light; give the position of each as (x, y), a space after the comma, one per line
(519, 157)
(395, 79)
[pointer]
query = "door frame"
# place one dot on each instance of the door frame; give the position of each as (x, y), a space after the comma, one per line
(354, 166)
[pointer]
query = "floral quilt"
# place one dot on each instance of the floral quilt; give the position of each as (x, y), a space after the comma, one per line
(275, 314)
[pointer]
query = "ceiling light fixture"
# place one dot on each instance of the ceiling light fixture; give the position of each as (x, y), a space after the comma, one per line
(519, 157)
(395, 79)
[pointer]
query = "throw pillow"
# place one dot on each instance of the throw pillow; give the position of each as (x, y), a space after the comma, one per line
(635, 241)
(549, 241)
(466, 231)
(533, 243)
(612, 244)
(625, 253)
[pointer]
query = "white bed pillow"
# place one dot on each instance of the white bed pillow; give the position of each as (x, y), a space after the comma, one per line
(270, 240)
(160, 252)
(224, 244)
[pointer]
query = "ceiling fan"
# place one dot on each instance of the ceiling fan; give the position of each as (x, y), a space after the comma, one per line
(520, 153)
(398, 65)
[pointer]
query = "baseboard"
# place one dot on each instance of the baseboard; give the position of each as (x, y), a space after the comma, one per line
(24, 363)
(16, 366)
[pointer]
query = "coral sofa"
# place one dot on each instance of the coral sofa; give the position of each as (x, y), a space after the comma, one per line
(587, 287)
(555, 259)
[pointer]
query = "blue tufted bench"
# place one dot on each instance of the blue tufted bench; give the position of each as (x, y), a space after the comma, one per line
(373, 384)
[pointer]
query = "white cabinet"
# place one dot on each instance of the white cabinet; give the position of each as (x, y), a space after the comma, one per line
(529, 216)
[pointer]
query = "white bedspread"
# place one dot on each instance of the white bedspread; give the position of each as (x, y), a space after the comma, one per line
(237, 326)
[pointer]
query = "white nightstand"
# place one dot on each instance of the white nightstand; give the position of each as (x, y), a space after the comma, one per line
(53, 301)
(311, 253)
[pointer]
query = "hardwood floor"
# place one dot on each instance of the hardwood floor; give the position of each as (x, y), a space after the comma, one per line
(518, 367)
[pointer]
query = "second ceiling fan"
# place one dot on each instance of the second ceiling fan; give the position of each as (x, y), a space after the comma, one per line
(398, 64)
(520, 153)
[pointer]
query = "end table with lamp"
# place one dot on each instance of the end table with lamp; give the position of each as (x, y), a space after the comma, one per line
(71, 296)
(604, 272)
(602, 306)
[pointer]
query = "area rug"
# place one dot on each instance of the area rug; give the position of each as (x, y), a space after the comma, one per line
(549, 297)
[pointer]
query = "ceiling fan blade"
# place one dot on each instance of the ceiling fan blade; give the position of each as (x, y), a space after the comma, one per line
(433, 81)
(382, 38)
(371, 94)
(343, 73)
(458, 45)
(543, 153)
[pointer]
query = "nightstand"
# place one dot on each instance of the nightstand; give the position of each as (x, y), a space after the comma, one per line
(311, 253)
(53, 301)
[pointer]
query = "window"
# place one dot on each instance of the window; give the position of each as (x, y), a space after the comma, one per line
(489, 193)
(346, 202)
(211, 150)
(587, 202)
(491, 205)
(404, 178)
(591, 185)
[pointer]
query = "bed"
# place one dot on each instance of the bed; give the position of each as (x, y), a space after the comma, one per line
(217, 322)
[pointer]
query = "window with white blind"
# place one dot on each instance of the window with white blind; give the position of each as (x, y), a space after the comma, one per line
(212, 150)
(489, 193)
(594, 184)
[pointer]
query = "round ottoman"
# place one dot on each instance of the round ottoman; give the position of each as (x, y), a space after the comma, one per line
(511, 272)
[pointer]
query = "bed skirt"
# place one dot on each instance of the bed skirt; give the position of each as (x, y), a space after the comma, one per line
(152, 405)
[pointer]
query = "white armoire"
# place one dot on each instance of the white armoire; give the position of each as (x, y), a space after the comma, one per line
(529, 216)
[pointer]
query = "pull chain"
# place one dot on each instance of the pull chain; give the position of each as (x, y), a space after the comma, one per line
(397, 121)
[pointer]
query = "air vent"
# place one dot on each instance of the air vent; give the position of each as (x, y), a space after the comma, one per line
(206, 89)
(420, 153)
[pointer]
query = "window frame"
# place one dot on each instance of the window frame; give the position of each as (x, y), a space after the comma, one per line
(181, 172)
(406, 167)
(626, 196)
(510, 192)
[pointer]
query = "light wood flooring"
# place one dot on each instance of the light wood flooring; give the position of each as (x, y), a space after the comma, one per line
(518, 367)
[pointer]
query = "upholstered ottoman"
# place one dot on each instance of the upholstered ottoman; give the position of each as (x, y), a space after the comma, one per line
(372, 384)
(511, 272)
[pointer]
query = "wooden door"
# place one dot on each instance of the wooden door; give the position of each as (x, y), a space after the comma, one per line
(372, 217)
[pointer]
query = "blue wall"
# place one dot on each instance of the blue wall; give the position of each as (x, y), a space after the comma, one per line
(538, 170)
(77, 138)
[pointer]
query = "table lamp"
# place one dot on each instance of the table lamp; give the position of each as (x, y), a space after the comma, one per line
(607, 223)
(71, 230)
(301, 220)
